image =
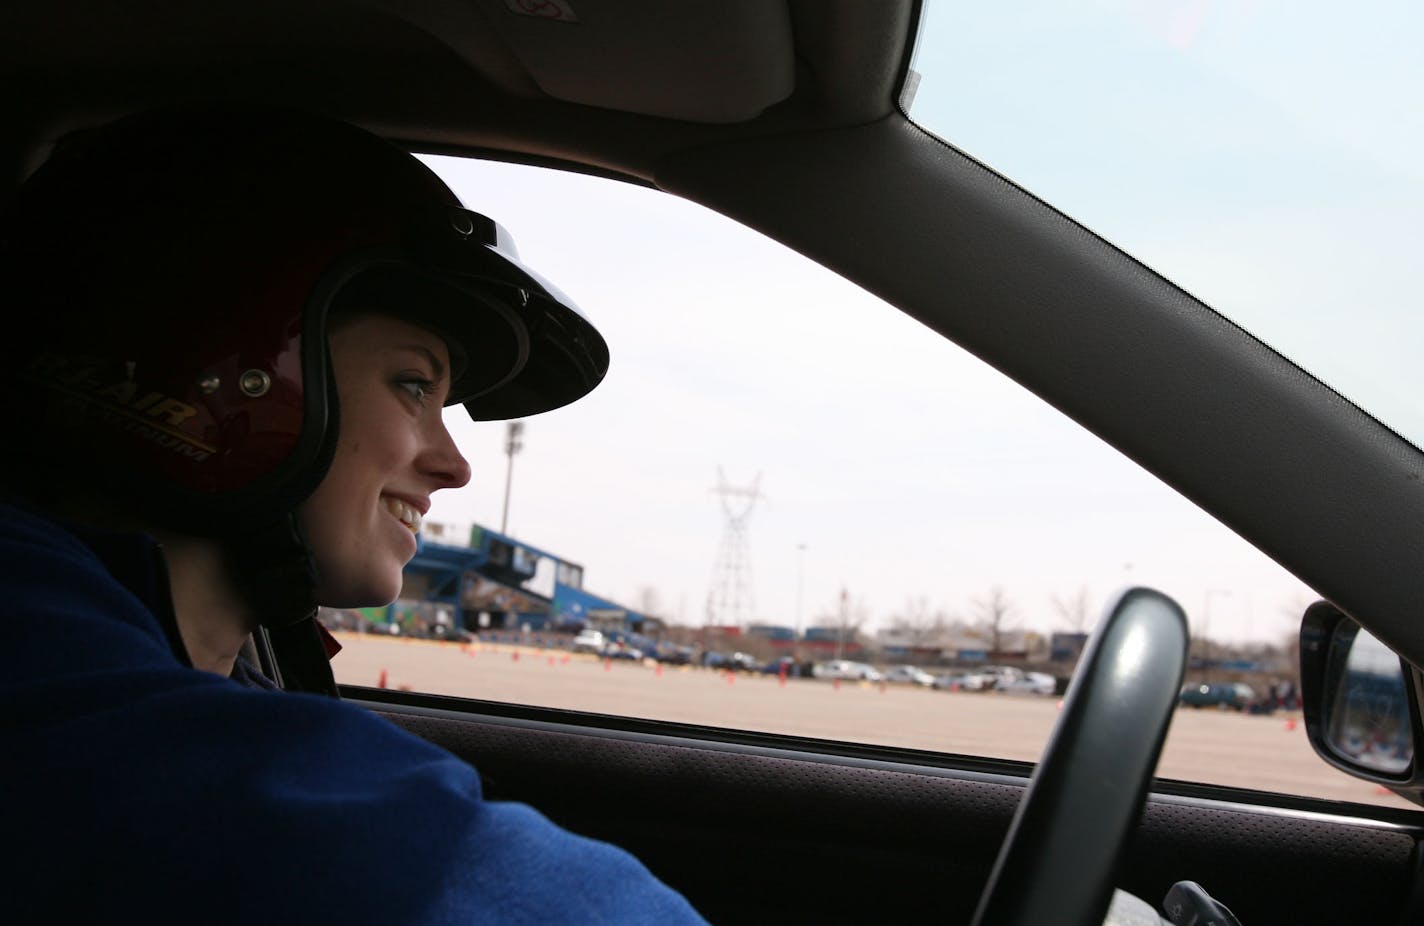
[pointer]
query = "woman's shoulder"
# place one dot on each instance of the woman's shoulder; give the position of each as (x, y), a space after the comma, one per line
(61, 587)
(24, 527)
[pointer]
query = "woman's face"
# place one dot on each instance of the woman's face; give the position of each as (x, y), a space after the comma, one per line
(392, 453)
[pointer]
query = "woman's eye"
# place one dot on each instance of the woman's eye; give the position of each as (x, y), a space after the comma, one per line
(420, 389)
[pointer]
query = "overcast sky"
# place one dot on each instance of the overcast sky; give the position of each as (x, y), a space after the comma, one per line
(889, 463)
(907, 468)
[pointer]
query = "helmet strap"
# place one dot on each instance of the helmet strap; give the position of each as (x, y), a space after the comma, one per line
(279, 578)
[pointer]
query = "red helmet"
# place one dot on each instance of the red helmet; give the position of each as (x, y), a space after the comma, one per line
(171, 276)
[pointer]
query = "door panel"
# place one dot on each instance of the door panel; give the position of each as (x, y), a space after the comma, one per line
(752, 831)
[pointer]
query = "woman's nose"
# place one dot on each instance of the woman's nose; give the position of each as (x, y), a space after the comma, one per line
(443, 460)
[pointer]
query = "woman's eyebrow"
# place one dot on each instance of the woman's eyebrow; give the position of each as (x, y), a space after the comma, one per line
(437, 367)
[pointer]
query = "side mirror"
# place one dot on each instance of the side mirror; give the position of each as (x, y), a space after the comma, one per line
(1361, 702)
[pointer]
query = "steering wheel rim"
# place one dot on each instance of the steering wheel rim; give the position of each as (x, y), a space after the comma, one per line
(1061, 854)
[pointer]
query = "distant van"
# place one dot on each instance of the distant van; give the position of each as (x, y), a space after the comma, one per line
(1224, 695)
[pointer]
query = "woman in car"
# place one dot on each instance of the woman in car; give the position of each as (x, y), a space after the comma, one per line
(235, 332)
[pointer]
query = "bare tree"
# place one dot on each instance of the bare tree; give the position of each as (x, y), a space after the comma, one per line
(916, 622)
(1075, 611)
(994, 612)
(847, 618)
(1287, 638)
(649, 601)
(1291, 613)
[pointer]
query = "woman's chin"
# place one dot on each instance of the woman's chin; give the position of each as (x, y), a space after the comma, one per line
(359, 594)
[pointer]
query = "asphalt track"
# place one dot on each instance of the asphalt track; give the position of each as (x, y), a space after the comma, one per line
(1263, 752)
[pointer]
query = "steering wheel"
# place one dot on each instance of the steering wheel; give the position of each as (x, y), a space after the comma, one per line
(1061, 854)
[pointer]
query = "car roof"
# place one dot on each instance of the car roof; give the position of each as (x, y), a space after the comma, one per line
(474, 76)
(784, 116)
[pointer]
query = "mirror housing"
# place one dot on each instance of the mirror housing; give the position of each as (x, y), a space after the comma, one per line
(1360, 702)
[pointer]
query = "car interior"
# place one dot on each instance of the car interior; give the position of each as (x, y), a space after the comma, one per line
(787, 116)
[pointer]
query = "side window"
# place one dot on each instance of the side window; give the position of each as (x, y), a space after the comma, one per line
(789, 508)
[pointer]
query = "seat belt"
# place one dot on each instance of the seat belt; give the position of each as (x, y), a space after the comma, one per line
(296, 657)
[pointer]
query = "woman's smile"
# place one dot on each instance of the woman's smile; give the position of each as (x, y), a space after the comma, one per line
(404, 512)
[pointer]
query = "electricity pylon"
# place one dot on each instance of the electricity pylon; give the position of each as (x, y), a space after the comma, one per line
(729, 600)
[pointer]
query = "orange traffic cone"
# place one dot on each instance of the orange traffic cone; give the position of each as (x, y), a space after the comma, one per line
(381, 682)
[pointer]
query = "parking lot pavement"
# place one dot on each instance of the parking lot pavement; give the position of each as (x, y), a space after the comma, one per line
(1266, 752)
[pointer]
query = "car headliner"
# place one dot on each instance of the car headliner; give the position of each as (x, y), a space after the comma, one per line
(783, 116)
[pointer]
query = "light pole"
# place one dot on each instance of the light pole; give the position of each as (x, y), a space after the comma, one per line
(1205, 627)
(513, 443)
(800, 585)
(840, 637)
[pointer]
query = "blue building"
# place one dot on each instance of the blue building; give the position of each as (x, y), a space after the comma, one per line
(496, 582)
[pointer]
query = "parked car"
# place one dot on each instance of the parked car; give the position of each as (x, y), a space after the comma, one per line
(622, 650)
(713, 659)
(744, 662)
(988, 678)
(1036, 683)
(950, 681)
(674, 653)
(781, 665)
(1285, 406)
(588, 641)
(909, 675)
(1235, 696)
(846, 669)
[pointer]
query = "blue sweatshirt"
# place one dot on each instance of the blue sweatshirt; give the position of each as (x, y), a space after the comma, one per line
(138, 789)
